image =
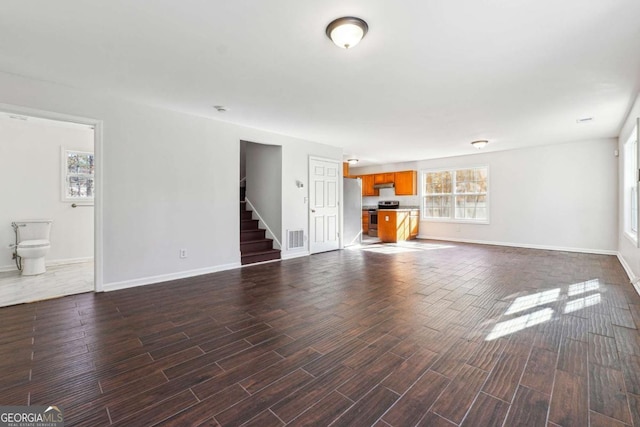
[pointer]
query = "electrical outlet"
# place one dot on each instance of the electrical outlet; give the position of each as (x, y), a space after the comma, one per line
(183, 253)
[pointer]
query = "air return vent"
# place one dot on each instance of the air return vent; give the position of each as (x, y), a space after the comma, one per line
(296, 239)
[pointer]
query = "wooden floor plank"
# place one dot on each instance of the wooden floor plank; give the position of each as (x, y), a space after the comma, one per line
(529, 409)
(486, 411)
(570, 400)
(415, 403)
(368, 409)
(539, 372)
(456, 399)
(607, 393)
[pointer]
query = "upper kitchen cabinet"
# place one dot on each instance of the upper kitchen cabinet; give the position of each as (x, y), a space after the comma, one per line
(383, 178)
(405, 183)
(367, 186)
(345, 170)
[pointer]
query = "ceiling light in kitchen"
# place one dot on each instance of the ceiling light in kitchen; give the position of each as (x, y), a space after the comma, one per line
(353, 161)
(346, 32)
(479, 144)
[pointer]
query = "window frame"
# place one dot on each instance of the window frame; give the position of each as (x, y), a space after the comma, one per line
(453, 194)
(64, 175)
(630, 180)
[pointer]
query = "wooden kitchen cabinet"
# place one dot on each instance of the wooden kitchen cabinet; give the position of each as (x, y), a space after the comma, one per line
(383, 178)
(414, 223)
(398, 225)
(365, 222)
(367, 186)
(405, 183)
(393, 226)
(345, 170)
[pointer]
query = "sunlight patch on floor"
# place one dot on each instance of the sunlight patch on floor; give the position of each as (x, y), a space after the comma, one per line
(400, 247)
(583, 287)
(538, 299)
(519, 323)
(580, 303)
(530, 301)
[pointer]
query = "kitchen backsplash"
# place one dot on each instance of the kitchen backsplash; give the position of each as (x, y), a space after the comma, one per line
(389, 194)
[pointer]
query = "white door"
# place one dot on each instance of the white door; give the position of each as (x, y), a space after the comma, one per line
(324, 205)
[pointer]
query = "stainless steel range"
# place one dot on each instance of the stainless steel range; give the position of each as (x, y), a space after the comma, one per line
(373, 215)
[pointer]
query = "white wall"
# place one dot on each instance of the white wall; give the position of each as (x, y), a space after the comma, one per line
(170, 181)
(629, 253)
(556, 196)
(30, 187)
(264, 185)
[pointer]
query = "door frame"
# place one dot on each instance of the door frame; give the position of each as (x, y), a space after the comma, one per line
(98, 272)
(340, 192)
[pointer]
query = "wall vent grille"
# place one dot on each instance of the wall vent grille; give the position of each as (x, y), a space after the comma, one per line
(296, 239)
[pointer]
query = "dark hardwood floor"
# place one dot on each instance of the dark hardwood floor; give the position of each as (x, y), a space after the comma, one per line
(431, 334)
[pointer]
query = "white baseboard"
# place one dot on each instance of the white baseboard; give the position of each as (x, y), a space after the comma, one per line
(51, 263)
(627, 268)
(296, 254)
(107, 287)
(524, 245)
(635, 281)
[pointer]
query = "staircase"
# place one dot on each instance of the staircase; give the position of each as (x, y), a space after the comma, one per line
(254, 247)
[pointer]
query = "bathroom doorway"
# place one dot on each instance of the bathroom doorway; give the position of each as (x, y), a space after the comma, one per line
(49, 171)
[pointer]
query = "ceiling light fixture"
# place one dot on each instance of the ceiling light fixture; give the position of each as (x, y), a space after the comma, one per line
(479, 144)
(346, 32)
(353, 161)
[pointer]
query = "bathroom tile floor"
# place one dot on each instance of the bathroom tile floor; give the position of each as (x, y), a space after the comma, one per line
(59, 280)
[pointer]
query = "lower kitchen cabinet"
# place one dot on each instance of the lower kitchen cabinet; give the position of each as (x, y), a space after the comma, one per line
(365, 222)
(414, 223)
(395, 225)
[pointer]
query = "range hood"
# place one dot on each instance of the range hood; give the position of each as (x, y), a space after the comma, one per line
(387, 185)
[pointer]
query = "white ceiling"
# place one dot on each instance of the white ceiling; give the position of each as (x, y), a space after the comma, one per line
(429, 77)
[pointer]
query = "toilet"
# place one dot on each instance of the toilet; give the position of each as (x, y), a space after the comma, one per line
(32, 244)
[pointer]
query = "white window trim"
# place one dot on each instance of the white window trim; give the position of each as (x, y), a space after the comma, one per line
(89, 201)
(452, 219)
(628, 232)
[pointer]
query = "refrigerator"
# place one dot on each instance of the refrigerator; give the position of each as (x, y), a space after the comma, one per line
(352, 230)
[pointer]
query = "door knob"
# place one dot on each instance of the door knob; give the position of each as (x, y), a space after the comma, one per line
(313, 210)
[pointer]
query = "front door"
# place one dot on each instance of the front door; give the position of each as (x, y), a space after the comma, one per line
(324, 205)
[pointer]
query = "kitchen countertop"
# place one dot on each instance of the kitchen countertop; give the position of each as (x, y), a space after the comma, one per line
(399, 209)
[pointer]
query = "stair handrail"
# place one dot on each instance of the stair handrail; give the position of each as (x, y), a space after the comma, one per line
(271, 233)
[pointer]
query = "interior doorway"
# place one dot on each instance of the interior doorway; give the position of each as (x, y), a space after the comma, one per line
(49, 172)
(324, 205)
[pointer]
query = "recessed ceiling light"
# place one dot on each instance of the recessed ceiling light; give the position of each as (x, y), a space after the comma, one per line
(584, 120)
(221, 108)
(481, 143)
(346, 32)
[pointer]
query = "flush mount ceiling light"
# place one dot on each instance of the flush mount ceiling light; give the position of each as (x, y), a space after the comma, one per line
(346, 32)
(352, 161)
(481, 143)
